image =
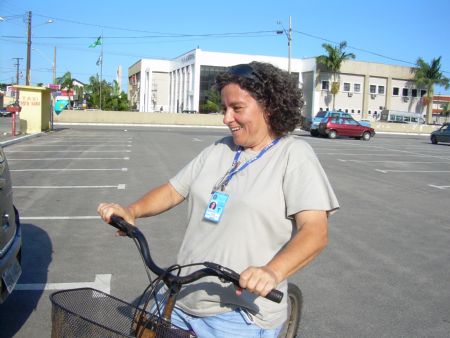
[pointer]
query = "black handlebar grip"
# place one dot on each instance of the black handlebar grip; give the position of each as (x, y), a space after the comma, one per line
(122, 225)
(275, 296)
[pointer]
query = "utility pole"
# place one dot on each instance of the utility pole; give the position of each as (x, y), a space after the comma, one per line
(54, 65)
(17, 64)
(289, 44)
(27, 79)
(289, 37)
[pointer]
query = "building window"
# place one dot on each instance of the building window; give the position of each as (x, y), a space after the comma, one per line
(370, 112)
(423, 92)
(357, 87)
(395, 91)
(346, 87)
(381, 90)
(373, 89)
(346, 110)
(325, 85)
(405, 92)
(359, 111)
(353, 111)
(414, 92)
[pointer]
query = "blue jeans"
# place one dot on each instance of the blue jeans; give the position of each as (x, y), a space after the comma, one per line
(234, 324)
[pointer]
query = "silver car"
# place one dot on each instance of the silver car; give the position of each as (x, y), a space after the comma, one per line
(10, 234)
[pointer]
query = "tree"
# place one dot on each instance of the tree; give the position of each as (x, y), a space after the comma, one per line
(333, 61)
(445, 110)
(111, 98)
(426, 76)
(66, 82)
(212, 101)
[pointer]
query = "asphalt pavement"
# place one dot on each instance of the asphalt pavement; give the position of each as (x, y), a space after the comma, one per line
(384, 273)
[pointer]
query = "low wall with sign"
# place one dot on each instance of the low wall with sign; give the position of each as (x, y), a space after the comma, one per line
(126, 117)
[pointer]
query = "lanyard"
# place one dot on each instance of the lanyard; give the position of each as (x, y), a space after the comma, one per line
(234, 166)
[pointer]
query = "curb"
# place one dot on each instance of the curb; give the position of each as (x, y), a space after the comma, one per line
(20, 139)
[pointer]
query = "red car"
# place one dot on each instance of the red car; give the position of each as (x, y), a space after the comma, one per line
(338, 126)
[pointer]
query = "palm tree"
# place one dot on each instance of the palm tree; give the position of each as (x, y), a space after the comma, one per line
(333, 61)
(445, 110)
(426, 76)
(66, 82)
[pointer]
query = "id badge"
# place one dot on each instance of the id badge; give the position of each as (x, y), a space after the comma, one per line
(216, 206)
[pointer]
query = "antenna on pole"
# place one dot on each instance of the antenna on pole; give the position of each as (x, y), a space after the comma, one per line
(289, 37)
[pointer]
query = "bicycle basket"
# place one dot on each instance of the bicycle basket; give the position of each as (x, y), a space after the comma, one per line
(86, 312)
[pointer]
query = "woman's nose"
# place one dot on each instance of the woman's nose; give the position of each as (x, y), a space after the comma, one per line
(227, 116)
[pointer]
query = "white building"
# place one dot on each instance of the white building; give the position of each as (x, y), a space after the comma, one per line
(181, 84)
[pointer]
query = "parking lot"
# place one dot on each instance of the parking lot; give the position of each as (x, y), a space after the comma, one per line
(385, 272)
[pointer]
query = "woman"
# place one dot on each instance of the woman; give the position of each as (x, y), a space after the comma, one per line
(272, 202)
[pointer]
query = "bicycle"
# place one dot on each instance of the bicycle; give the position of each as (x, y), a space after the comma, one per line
(86, 312)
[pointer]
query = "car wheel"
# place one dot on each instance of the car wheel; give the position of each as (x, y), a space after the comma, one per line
(314, 133)
(366, 136)
(332, 134)
(434, 139)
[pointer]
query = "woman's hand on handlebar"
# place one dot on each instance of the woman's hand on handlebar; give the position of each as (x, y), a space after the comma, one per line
(106, 210)
(258, 280)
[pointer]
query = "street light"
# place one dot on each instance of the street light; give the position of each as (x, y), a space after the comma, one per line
(289, 37)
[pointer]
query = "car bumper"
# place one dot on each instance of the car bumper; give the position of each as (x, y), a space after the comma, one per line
(14, 253)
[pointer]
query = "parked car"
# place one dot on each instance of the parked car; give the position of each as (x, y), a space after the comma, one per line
(338, 126)
(4, 112)
(441, 135)
(10, 234)
(321, 115)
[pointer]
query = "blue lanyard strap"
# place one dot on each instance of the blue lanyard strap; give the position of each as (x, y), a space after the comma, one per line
(234, 167)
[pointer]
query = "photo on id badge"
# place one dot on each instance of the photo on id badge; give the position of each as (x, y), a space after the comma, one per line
(216, 206)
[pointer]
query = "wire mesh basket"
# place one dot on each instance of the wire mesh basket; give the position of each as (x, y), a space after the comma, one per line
(91, 313)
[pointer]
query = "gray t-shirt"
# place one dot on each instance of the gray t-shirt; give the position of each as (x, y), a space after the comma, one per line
(256, 223)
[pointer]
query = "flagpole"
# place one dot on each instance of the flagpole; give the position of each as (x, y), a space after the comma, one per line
(101, 71)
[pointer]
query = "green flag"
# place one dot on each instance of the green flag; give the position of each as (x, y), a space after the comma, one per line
(96, 43)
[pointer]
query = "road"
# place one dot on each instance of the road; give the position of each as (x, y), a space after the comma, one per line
(384, 274)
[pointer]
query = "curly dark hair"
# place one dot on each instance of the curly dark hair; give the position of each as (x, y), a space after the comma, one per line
(275, 89)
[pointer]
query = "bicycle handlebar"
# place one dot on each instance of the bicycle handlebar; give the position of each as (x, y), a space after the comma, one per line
(212, 269)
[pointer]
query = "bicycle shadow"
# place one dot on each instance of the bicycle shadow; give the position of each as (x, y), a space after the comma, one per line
(36, 258)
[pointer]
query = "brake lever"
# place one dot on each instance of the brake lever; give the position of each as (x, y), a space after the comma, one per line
(233, 277)
(225, 274)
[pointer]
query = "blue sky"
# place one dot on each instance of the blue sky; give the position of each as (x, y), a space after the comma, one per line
(391, 32)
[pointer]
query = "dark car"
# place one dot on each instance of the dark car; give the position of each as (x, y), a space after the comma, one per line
(441, 135)
(4, 112)
(10, 234)
(338, 126)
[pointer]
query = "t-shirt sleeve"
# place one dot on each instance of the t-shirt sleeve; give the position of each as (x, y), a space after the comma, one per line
(305, 183)
(183, 179)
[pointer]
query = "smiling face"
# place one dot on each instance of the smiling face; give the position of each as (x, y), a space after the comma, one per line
(245, 118)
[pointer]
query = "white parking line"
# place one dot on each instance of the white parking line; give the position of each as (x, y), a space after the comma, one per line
(101, 282)
(388, 161)
(441, 187)
(69, 151)
(119, 187)
(52, 218)
(68, 169)
(385, 171)
(71, 145)
(370, 154)
(67, 158)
